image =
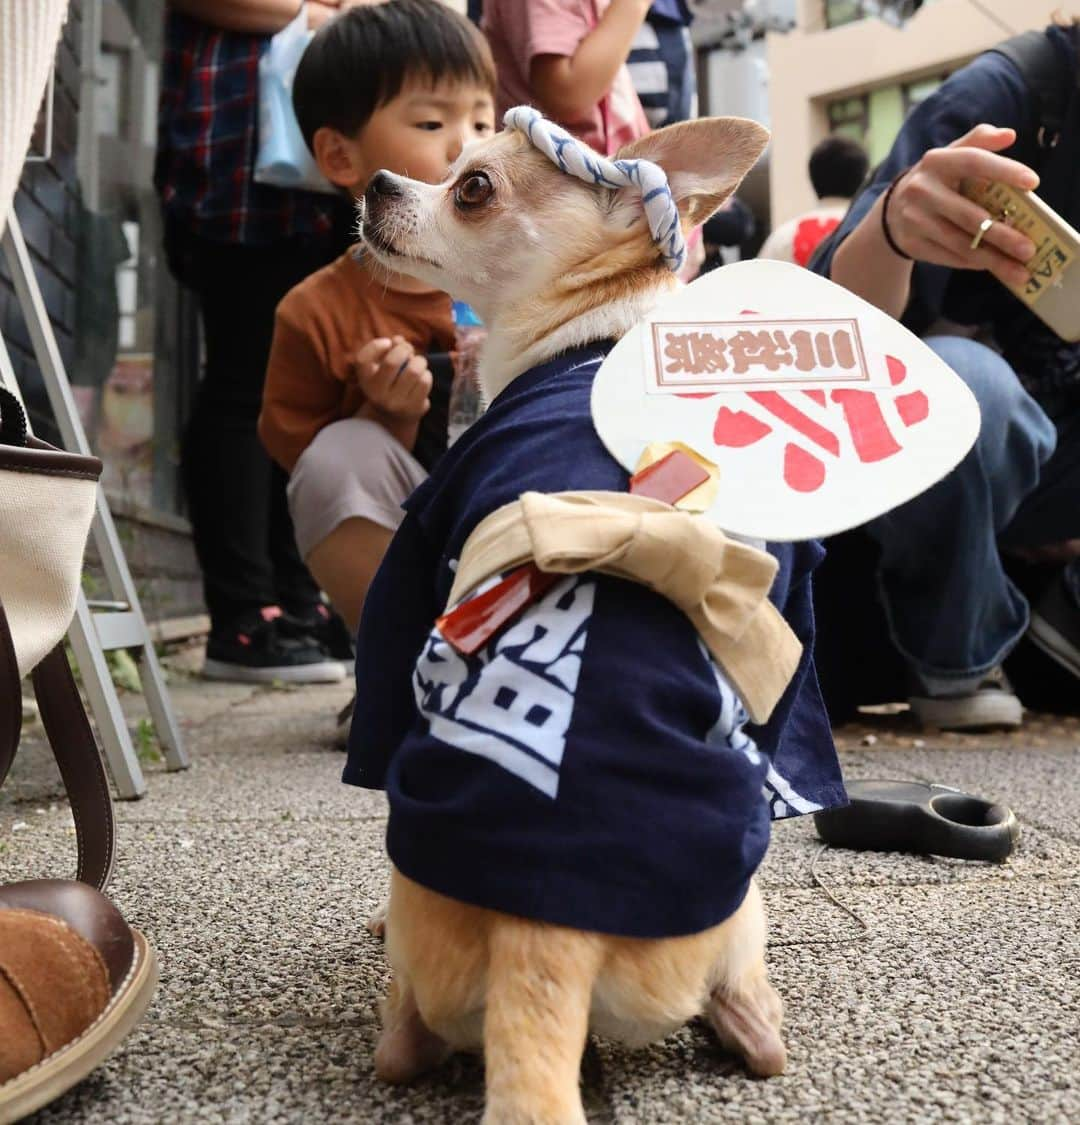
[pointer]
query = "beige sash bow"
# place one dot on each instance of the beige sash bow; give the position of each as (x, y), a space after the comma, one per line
(720, 584)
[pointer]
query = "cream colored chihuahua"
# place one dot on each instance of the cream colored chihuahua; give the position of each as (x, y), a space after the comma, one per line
(552, 264)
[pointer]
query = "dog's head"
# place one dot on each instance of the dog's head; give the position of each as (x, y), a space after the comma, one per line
(533, 248)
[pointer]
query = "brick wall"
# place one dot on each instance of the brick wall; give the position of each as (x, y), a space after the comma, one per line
(48, 209)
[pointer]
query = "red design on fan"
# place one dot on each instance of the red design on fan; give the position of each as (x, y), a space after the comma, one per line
(736, 428)
(873, 439)
(913, 408)
(860, 414)
(802, 471)
(776, 404)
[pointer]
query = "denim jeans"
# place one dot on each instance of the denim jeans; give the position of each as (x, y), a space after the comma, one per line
(953, 612)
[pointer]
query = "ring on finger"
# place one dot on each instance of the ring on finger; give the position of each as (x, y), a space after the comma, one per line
(984, 226)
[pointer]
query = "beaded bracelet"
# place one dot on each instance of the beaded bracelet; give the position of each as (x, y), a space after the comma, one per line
(884, 221)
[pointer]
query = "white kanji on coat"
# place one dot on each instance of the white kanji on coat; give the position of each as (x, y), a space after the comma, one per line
(512, 702)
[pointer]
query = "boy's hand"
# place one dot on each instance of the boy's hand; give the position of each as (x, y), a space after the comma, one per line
(395, 380)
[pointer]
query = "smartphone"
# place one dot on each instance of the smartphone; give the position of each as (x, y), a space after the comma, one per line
(1052, 291)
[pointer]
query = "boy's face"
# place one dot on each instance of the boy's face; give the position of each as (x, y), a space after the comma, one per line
(419, 134)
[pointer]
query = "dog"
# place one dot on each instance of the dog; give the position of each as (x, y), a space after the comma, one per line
(552, 264)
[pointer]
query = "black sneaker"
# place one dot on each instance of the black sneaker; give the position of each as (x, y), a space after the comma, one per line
(254, 651)
(1055, 625)
(324, 625)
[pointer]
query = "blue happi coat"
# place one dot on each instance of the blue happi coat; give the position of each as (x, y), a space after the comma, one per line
(589, 767)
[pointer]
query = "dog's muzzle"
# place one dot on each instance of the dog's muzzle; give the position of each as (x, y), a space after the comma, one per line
(383, 189)
(383, 192)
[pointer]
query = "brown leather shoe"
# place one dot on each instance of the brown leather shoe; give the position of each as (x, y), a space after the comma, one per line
(75, 978)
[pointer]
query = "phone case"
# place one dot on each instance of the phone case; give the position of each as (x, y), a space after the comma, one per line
(1053, 290)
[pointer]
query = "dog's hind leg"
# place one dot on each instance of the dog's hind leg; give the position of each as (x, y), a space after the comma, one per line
(747, 1021)
(539, 990)
(407, 1046)
(743, 1007)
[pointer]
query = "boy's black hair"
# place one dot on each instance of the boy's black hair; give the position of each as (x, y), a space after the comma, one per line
(838, 166)
(359, 60)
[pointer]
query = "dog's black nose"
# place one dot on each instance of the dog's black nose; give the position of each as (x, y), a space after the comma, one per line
(382, 184)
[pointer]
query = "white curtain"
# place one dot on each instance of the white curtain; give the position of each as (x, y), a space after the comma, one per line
(29, 32)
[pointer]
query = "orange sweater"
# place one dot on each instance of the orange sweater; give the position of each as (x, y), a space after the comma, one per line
(319, 327)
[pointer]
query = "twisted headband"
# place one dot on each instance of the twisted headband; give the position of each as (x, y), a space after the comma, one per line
(577, 159)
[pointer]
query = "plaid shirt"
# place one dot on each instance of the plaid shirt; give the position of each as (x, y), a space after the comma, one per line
(208, 138)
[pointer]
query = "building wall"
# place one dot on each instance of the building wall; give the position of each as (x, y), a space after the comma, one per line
(813, 65)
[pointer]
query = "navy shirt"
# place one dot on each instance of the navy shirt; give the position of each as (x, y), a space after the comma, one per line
(991, 89)
(677, 11)
(589, 767)
(661, 64)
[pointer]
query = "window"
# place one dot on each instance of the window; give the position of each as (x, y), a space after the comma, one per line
(874, 119)
(839, 12)
(133, 373)
(848, 117)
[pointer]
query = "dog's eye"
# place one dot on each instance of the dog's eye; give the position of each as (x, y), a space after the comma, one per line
(474, 190)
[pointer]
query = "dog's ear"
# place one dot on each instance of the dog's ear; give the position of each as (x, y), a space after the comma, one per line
(705, 159)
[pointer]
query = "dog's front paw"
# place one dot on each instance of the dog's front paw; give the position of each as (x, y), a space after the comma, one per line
(376, 924)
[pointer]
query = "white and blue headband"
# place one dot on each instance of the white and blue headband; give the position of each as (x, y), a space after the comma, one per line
(577, 159)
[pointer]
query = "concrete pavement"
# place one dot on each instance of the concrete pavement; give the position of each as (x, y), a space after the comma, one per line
(253, 874)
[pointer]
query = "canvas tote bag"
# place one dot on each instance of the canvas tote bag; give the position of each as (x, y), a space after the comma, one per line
(47, 500)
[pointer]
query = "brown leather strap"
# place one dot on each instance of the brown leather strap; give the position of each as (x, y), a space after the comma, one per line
(81, 768)
(10, 698)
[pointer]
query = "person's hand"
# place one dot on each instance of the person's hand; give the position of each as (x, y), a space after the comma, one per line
(929, 219)
(319, 11)
(395, 379)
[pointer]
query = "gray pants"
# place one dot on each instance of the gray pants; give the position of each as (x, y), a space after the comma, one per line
(353, 468)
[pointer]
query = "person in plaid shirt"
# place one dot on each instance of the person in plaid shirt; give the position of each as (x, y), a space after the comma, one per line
(241, 246)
